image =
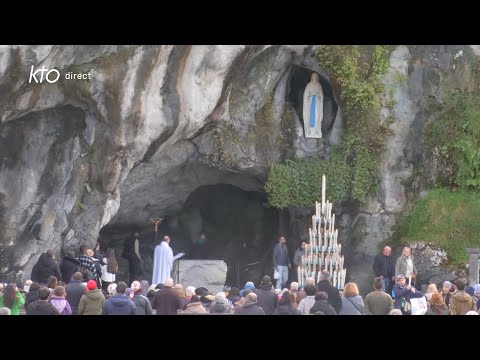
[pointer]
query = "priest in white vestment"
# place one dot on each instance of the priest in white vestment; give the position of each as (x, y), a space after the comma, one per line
(162, 261)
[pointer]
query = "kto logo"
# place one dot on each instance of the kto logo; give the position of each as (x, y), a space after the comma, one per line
(50, 78)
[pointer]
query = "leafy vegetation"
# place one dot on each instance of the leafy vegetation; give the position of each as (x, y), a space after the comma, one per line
(454, 140)
(351, 163)
(448, 219)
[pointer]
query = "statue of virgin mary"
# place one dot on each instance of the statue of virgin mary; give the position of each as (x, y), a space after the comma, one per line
(313, 108)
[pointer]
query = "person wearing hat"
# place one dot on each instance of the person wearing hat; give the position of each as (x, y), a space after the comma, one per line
(403, 294)
(221, 305)
(92, 301)
(248, 286)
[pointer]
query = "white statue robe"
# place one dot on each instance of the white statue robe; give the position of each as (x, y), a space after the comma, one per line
(313, 113)
(162, 263)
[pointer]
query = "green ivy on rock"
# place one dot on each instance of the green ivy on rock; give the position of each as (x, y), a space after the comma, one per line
(447, 219)
(351, 165)
(454, 140)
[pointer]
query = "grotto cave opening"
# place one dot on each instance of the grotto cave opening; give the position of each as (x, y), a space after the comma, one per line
(237, 226)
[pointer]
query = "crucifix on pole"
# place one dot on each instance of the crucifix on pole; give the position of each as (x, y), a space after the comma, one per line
(156, 222)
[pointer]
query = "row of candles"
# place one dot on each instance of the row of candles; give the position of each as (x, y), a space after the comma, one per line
(323, 252)
(338, 277)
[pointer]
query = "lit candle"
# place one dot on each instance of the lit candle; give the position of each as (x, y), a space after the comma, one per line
(409, 279)
(323, 194)
(300, 275)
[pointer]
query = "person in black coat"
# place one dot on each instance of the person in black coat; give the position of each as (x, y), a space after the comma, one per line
(322, 305)
(383, 267)
(267, 299)
(45, 267)
(69, 266)
(99, 254)
(166, 301)
(32, 294)
(334, 298)
(75, 289)
(42, 306)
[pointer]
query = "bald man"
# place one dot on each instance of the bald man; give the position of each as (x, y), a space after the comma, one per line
(167, 301)
(383, 267)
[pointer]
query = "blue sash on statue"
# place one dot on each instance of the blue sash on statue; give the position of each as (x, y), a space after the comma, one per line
(312, 112)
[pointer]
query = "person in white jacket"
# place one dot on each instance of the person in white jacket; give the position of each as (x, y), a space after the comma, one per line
(109, 269)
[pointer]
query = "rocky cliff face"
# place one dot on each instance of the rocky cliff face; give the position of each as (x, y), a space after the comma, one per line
(155, 123)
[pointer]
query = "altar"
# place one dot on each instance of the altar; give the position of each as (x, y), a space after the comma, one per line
(210, 274)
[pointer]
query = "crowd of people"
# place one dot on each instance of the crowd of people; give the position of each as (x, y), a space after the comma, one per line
(80, 298)
(85, 285)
